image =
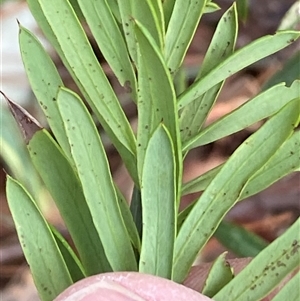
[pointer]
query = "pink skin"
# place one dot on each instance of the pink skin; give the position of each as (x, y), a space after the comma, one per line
(128, 286)
(133, 286)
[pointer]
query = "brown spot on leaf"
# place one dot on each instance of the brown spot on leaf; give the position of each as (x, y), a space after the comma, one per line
(127, 86)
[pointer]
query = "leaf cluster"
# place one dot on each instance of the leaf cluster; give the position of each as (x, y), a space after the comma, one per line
(145, 43)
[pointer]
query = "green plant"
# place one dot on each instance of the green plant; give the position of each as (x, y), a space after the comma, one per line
(144, 43)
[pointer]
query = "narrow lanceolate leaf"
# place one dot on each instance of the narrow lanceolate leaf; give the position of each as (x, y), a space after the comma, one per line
(158, 191)
(243, 9)
(43, 84)
(65, 188)
(98, 187)
(156, 102)
(114, 7)
(222, 45)
(110, 40)
(219, 275)
(61, 26)
(259, 107)
(242, 58)
(136, 209)
(211, 7)
(168, 6)
(200, 183)
(158, 14)
(225, 188)
(291, 18)
(75, 267)
(266, 270)
(145, 13)
(126, 12)
(48, 268)
(182, 26)
(288, 73)
(128, 220)
(290, 291)
(239, 240)
(284, 161)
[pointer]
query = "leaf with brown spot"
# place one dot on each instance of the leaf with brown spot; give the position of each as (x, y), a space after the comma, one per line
(27, 123)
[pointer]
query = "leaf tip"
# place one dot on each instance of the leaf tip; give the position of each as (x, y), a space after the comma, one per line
(27, 123)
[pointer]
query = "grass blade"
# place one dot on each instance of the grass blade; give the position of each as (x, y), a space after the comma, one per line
(225, 188)
(242, 58)
(98, 187)
(65, 188)
(158, 191)
(49, 270)
(266, 270)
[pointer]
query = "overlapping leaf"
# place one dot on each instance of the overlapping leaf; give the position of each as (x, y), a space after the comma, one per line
(43, 84)
(242, 242)
(156, 102)
(222, 45)
(266, 270)
(168, 6)
(225, 188)
(219, 275)
(65, 188)
(242, 58)
(110, 40)
(284, 161)
(183, 22)
(48, 267)
(145, 13)
(259, 107)
(158, 192)
(98, 188)
(290, 291)
(62, 28)
(14, 153)
(72, 262)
